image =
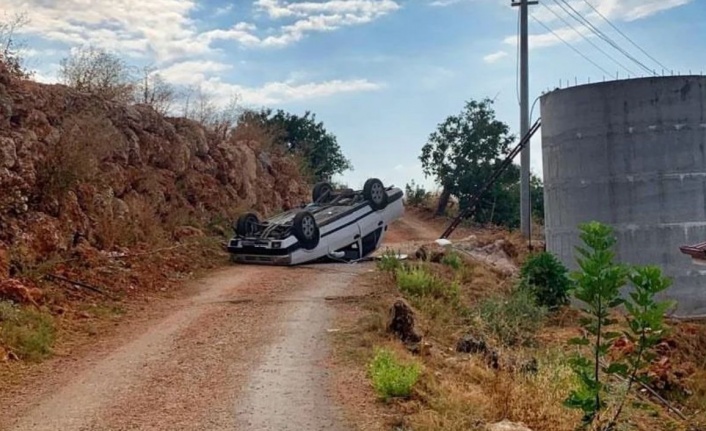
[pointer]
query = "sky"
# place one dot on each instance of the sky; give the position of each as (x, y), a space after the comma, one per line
(380, 74)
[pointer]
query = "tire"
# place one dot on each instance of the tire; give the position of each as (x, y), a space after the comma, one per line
(374, 192)
(321, 189)
(306, 230)
(247, 224)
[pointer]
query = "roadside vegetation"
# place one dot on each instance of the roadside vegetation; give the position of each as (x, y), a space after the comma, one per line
(553, 349)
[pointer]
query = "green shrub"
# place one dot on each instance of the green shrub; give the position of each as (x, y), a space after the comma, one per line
(453, 260)
(598, 286)
(512, 321)
(546, 278)
(415, 194)
(389, 262)
(390, 377)
(416, 281)
(28, 333)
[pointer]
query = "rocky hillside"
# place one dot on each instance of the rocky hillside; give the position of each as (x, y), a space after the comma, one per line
(80, 173)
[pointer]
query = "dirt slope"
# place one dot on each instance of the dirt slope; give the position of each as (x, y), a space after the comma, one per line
(247, 351)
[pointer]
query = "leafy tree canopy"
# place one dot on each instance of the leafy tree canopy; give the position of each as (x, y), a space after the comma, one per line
(305, 136)
(464, 152)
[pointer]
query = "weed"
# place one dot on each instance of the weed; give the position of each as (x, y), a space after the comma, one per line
(547, 279)
(391, 378)
(28, 333)
(416, 281)
(453, 260)
(514, 320)
(389, 262)
(86, 140)
(415, 195)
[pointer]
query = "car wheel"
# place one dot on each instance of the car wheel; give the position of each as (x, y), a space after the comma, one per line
(247, 224)
(306, 230)
(320, 190)
(375, 193)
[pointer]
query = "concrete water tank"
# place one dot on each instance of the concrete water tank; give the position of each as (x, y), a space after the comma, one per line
(630, 153)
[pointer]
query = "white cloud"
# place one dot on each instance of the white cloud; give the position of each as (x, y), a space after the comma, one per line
(442, 3)
(133, 27)
(224, 10)
(192, 72)
(164, 32)
(492, 58)
(310, 17)
(278, 92)
(614, 10)
(164, 29)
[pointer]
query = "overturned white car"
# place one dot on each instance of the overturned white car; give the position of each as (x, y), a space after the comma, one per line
(340, 225)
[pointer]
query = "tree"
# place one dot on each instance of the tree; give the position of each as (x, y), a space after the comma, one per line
(11, 47)
(152, 90)
(99, 72)
(200, 106)
(464, 151)
(536, 200)
(305, 136)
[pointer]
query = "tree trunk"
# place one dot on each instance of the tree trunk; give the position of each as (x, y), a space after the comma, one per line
(443, 201)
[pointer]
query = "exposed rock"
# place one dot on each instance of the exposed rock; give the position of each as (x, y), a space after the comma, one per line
(183, 232)
(530, 366)
(19, 292)
(4, 263)
(73, 165)
(435, 256)
(497, 255)
(507, 426)
(8, 153)
(470, 344)
(402, 322)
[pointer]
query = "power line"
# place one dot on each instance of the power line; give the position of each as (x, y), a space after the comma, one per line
(624, 35)
(569, 45)
(587, 39)
(583, 21)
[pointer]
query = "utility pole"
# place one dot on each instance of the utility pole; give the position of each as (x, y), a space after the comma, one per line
(525, 216)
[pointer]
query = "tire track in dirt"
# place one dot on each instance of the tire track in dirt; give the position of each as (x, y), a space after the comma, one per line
(163, 374)
(290, 389)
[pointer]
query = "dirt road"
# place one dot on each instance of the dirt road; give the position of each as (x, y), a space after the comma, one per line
(246, 352)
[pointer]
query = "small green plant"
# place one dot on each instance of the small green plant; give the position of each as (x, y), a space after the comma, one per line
(646, 323)
(28, 333)
(415, 194)
(514, 320)
(389, 261)
(547, 279)
(598, 285)
(391, 378)
(417, 281)
(453, 260)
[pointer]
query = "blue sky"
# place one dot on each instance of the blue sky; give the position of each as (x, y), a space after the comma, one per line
(380, 74)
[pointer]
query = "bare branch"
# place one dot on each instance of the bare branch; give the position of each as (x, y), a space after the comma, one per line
(154, 91)
(97, 71)
(11, 47)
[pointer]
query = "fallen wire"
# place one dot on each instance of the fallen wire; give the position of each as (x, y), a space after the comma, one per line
(655, 394)
(80, 284)
(127, 255)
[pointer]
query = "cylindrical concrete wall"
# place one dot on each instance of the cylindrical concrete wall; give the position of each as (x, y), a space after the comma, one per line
(632, 154)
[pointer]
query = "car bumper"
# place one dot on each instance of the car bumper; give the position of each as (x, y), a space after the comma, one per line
(262, 259)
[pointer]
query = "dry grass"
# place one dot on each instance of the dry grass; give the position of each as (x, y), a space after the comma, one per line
(464, 392)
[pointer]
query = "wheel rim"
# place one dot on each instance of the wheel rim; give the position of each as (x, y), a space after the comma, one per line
(308, 227)
(377, 192)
